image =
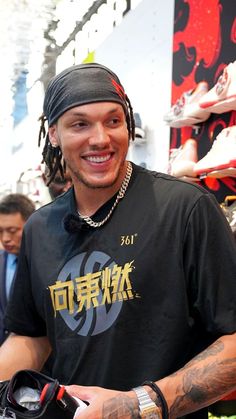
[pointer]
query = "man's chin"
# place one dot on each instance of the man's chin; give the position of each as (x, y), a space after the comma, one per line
(98, 183)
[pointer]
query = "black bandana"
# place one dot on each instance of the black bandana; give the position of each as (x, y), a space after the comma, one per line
(79, 85)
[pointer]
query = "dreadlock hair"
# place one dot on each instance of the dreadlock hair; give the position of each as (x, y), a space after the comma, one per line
(130, 119)
(53, 157)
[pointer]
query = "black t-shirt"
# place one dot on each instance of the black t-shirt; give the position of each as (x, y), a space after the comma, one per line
(135, 299)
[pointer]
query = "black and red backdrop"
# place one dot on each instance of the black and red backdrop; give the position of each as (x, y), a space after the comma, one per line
(204, 43)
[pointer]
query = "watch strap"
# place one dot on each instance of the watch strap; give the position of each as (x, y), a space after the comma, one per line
(148, 409)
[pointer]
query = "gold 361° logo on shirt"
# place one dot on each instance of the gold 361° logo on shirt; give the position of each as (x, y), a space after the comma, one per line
(128, 239)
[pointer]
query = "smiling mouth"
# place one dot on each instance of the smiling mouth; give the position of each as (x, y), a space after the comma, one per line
(98, 159)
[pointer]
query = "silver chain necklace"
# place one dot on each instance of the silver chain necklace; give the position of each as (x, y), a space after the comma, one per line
(120, 195)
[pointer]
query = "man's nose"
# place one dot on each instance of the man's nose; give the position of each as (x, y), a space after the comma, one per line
(100, 135)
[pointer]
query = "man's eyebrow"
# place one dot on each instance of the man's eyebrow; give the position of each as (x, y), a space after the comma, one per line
(86, 113)
(115, 109)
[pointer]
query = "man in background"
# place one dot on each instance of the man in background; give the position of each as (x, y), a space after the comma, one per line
(59, 184)
(15, 209)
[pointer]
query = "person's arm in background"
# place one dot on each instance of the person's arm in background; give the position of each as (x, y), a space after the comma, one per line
(201, 382)
(22, 352)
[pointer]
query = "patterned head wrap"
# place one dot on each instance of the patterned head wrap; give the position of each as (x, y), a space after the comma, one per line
(79, 85)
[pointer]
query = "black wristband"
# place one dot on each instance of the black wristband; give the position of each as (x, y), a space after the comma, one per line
(160, 395)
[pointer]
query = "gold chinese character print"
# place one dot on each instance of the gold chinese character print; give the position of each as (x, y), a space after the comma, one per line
(110, 285)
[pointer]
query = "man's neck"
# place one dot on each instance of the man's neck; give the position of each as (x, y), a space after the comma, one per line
(89, 200)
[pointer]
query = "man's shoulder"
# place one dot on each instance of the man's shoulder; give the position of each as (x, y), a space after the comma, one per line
(167, 184)
(63, 201)
(51, 213)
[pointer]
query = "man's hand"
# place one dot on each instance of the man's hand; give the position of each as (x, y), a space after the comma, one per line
(104, 404)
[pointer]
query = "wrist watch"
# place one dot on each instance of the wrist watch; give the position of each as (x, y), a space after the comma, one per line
(148, 409)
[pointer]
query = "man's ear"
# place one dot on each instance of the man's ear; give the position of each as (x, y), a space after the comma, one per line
(53, 135)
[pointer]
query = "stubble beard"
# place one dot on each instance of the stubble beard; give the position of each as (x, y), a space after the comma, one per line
(80, 178)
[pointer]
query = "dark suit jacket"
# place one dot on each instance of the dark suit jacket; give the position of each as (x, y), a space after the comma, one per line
(3, 297)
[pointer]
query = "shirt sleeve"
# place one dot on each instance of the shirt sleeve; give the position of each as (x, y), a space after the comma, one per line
(210, 265)
(22, 316)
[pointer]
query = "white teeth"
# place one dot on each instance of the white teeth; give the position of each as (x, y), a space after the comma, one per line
(97, 159)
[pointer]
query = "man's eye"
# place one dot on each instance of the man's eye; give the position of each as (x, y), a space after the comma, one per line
(9, 230)
(80, 124)
(12, 230)
(114, 121)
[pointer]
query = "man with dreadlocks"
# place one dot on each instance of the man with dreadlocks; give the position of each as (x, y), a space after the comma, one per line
(127, 279)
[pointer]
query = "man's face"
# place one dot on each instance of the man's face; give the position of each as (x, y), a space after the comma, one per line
(94, 142)
(11, 228)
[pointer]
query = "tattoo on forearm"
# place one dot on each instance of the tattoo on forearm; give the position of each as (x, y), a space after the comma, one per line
(212, 350)
(120, 406)
(204, 384)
